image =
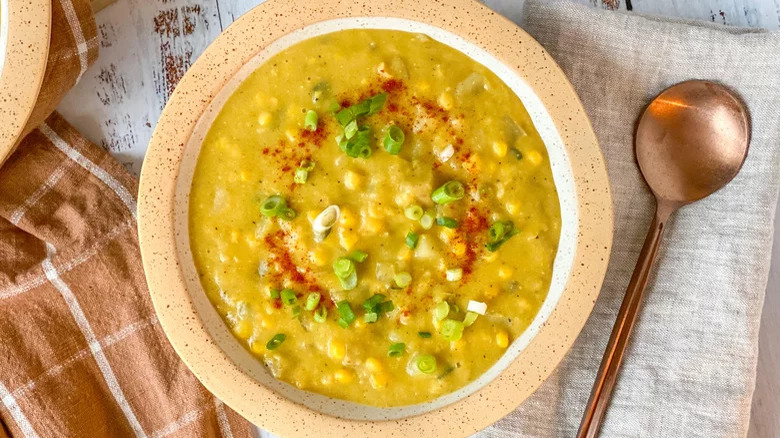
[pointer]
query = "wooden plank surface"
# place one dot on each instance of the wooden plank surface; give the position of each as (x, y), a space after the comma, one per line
(147, 45)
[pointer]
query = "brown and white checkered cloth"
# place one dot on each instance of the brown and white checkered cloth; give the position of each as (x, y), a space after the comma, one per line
(81, 351)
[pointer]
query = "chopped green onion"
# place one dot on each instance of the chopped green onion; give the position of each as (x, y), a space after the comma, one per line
(402, 279)
(441, 311)
(351, 129)
(413, 212)
(272, 206)
(516, 152)
(447, 222)
(346, 315)
(307, 165)
(424, 335)
(498, 233)
(386, 307)
(310, 121)
(296, 311)
(312, 301)
(394, 139)
(274, 293)
(321, 314)
(411, 239)
(446, 372)
(367, 107)
(426, 221)
(324, 222)
(376, 103)
(451, 330)
(301, 176)
(287, 214)
(349, 282)
(449, 192)
(426, 363)
(276, 341)
(396, 350)
(470, 318)
(371, 304)
(288, 297)
(359, 146)
(370, 317)
(343, 266)
(358, 256)
(454, 274)
(334, 107)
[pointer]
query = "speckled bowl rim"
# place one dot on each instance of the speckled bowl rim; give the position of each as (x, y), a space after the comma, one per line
(158, 235)
(25, 29)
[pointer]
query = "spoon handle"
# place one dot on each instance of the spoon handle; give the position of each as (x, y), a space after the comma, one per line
(613, 355)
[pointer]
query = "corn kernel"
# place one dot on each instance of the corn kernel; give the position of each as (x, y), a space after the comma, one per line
(379, 380)
(534, 157)
(372, 226)
(423, 86)
(374, 365)
(244, 176)
(490, 256)
(234, 236)
(243, 329)
(375, 210)
(290, 134)
(319, 256)
(344, 375)
(352, 180)
(446, 234)
(445, 100)
(348, 239)
(459, 247)
(499, 147)
(264, 119)
(336, 350)
(264, 323)
(348, 218)
(502, 338)
(273, 102)
(405, 253)
(251, 240)
(512, 207)
(505, 272)
(257, 347)
(457, 345)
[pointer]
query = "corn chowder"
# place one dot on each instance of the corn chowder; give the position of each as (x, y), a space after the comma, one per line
(374, 216)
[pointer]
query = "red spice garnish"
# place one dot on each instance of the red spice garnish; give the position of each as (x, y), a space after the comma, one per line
(472, 227)
(393, 85)
(278, 246)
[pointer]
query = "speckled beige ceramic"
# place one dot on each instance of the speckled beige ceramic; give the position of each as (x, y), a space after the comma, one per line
(24, 47)
(204, 341)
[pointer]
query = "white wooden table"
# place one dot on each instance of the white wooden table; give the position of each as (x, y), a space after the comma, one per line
(146, 46)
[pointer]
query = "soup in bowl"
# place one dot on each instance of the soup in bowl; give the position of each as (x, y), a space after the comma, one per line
(376, 223)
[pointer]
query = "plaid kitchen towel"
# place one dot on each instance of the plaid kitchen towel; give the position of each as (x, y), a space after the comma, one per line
(81, 352)
(690, 368)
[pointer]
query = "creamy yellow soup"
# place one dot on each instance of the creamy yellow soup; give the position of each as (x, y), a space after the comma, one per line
(374, 216)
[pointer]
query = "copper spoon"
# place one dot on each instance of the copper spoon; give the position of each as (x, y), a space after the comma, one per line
(691, 140)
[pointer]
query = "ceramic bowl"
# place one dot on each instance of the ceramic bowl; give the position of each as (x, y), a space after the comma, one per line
(203, 340)
(24, 47)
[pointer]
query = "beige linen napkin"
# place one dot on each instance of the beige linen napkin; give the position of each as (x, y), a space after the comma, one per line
(690, 368)
(81, 351)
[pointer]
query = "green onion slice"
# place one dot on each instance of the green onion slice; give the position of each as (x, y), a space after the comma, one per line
(272, 206)
(321, 314)
(447, 222)
(274, 293)
(351, 129)
(396, 350)
(402, 279)
(276, 341)
(424, 335)
(449, 192)
(312, 300)
(301, 176)
(451, 330)
(310, 121)
(358, 256)
(411, 239)
(469, 318)
(370, 317)
(288, 297)
(386, 307)
(498, 233)
(427, 220)
(413, 212)
(426, 363)
(441, 311)
(359, 146)
(345, 312)
(324, 221)
(394, 139)
(371, 304)
(344, 268)
(296, 311)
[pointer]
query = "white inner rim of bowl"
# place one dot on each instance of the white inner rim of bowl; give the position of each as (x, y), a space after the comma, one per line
(562, 174)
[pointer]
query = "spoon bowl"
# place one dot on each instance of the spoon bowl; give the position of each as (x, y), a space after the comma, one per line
(691, 140)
